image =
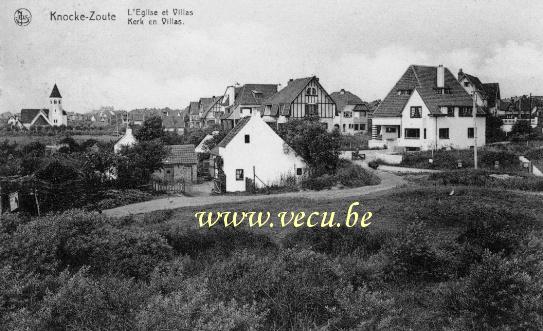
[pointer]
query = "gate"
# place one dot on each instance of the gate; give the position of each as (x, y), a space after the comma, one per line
(178, 187)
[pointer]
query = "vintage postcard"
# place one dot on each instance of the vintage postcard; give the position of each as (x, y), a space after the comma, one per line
(271, 165)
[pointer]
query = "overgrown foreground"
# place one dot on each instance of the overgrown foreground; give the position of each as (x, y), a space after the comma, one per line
(471, 261)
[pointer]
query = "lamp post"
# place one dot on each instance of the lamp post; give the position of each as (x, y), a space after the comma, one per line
(474, 130)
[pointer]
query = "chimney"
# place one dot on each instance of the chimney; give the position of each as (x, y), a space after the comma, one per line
(440, 76)
(290, 81)
(460, 72)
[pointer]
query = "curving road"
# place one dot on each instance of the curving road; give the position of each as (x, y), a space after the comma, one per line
(388, 181)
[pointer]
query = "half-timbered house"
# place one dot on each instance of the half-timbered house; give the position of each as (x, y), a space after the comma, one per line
(301, 98)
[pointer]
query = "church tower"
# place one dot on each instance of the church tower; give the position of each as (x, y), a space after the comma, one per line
(57, 116)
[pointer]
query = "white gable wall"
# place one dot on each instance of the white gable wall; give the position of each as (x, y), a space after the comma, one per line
(265, 152)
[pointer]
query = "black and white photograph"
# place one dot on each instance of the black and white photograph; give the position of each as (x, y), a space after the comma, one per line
(271, 165)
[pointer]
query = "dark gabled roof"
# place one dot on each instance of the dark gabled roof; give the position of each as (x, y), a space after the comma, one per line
(423, 79)
(55, 93)
(254, 94)
(193, 108)
(344, 98)
(28, 115)
(289, 92)
(234, 131)
(173, 121)
(181, 154)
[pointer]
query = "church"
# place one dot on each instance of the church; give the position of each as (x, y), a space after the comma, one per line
(52, 116)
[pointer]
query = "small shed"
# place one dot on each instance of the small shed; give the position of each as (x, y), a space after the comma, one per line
(180, 164)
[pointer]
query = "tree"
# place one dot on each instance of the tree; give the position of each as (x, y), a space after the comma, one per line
(215, 140)
(151, 129)
(521, 127)
(136, 164)
(310, 140)
(34, 148)
(494, 130)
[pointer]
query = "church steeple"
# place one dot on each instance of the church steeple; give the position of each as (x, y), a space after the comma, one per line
(55, 93)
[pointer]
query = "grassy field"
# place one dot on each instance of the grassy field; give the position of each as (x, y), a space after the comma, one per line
(391, 211)
(49, 140)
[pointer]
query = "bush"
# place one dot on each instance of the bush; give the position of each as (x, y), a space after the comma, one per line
(353, 175)
(319, 183)
(116, 198)
(497, 294)
(84, 303)
(337, 241)
(411, 256)
(193, 242)
(374, 164)
(192, 308)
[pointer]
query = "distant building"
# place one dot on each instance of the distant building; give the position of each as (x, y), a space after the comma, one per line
(427, 109)
(353, 113)
(242, 101)
(127, 140)
(253, 150)
(300, 99)
(486, 95)
(52, 116)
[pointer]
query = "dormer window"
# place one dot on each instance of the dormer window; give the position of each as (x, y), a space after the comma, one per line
(466, 84)
(443, 90)
(404, 92)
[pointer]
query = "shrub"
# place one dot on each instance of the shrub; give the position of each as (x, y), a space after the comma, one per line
(193, 242)
(192, 308)
(353, 175)
(411, 255)
(319, 183)
(84, 303)
(116, 198)
(131, 253)
(337, 241)
(497, 294)
(291, 285)
(374, 164)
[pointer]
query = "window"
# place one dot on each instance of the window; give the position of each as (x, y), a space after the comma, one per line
(404, 92)
(450, 111)
(466, 84)
(239, 174)
(444, 133)
(350, 126)
(424, 133)
(59, 102)
(356, 127)
(465, 112)
(311, 110)
(412, 134)
(362, 126)
(443, 90)
(246, 110)
(299, 171)
(347, 114)
(55, 102)
(311, 91)
(471, 132)
(416, 112)
(390, 130)
(247, 139)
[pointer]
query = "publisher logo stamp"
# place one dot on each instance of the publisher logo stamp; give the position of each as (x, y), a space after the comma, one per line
(22, 17)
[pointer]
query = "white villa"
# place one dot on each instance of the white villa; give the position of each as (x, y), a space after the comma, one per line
(427, 109)
(253, 150)
(127, 139)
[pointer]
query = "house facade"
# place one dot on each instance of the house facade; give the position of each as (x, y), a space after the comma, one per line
(55, 115)
(427, 109)
(243, 101)
(127, 140)
(353, 113)
(212, 113)
(252, 150)
(179, 165)
(519, 108)
(486, 95)
(300, 99)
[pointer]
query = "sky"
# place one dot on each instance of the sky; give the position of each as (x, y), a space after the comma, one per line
(361, 46)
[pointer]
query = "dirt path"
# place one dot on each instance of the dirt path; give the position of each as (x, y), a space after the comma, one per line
(388, 181)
